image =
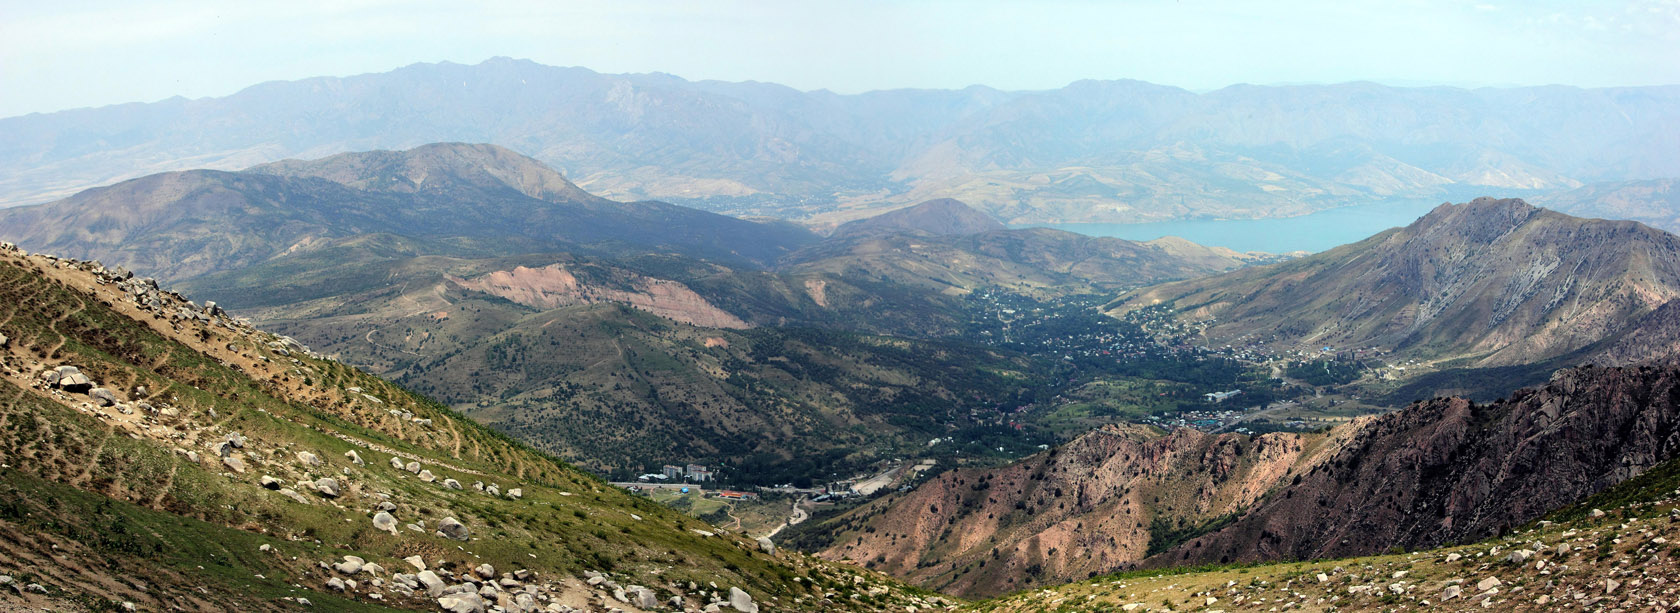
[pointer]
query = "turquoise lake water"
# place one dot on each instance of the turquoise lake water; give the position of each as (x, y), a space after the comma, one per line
(1315, 232)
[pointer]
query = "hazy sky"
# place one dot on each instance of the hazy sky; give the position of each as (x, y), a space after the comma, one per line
(56, 55)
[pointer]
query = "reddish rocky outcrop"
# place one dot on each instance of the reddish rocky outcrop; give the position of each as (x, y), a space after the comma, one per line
(1445, 470)
(1448, 470)
(552, 286)
(1085, 507)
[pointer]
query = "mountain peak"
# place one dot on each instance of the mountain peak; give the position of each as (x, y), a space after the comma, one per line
(436, 167)
(940, 216)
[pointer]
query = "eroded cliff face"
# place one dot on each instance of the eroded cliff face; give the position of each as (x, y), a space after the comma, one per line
(1446, 470)
(553, 286)
(1449, 470)
(1089, 506)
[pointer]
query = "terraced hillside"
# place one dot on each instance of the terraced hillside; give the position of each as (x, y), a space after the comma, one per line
(160, 453)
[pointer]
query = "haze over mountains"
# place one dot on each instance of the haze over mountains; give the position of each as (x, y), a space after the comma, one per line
(183, 224)
(1102, 404)
(1490, 282)
(1092, 151)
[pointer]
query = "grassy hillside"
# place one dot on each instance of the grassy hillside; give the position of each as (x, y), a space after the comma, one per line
(129, 489)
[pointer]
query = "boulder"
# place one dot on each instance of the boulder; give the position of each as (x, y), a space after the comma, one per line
(385, 521)
(350, 566)
(516, 493)
(451, 484)
(271, 483)
(766, 545)
(434, 585)
(1451, 592)
(742, 601)
(485, 571)
(327, 486)
(1487, 584)
(4, 342)
(396, 463)
(492, 490)
(643, 597)
(308, 459)
(102, 397)
(413, 467)
(417, 562)
(296, 497)
(70, 379)
(385, 506)
(449, 527)
(234, 464)
(427, 476)
(236, 440)
(462, 603)
(524, 601)
(353, 457)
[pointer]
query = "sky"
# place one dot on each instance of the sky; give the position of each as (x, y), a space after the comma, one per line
(59, 55)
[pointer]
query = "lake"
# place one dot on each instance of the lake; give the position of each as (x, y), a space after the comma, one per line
(1315, 232)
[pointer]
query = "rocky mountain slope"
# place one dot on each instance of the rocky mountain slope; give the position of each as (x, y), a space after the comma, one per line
(940, 216)
(1091, 151)
(1490, 282)
(1438, 472)
(484, 199)
(159, 453)
(1611, 558)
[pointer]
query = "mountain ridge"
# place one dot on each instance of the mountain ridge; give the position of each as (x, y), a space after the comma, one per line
(1111, 151)
(1439, 471)
(940, 216)
(1493, 282)
(176, 225)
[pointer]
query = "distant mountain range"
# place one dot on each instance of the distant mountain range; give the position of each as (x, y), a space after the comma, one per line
(478, 198)
(1486, 283)
(1653, 202)
(1091, 151)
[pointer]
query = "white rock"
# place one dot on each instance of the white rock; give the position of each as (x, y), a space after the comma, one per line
(385, 521)
(450, 527)
(742, 601)
(434, 585)
(462, 603)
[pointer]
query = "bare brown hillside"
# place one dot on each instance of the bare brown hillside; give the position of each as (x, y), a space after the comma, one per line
(1498, 282)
